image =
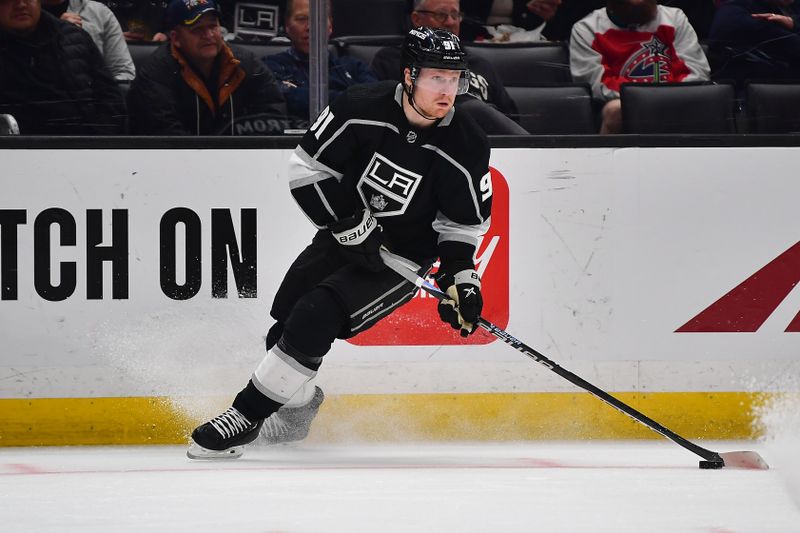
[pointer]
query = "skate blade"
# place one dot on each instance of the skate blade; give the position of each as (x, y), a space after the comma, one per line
(196, 451)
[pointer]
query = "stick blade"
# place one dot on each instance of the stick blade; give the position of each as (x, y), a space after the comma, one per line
(745, 460)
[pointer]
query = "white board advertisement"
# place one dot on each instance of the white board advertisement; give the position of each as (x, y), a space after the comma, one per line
(151, 272)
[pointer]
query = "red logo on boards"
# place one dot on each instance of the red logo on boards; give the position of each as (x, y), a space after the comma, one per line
(748, 305)
(417, 322)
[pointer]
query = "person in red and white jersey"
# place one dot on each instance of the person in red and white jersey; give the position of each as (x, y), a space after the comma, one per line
(636, 41)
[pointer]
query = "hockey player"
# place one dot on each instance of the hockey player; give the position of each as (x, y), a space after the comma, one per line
(387, 164)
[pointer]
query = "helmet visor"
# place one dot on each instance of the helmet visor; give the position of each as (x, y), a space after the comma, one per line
(443, 81)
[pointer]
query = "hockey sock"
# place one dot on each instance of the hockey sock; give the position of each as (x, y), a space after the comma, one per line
(253, 404)
(310, 330)
(304, 395)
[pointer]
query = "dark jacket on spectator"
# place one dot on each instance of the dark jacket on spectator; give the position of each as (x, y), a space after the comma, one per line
(291, 70)
(169, 98)
(484, 83)
(742, 47)
(55, 82)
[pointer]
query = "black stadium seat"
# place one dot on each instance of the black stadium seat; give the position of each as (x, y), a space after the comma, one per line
(364, 47)
(141, 50)
(559, 109)
(526, 64)
(677, 108)
(773, 107)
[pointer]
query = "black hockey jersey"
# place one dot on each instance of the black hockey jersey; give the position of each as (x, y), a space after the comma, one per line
(429, 188)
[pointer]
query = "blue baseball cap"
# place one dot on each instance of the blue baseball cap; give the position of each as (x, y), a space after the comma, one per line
(187, 12)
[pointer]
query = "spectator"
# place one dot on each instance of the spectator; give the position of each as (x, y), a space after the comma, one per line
(53, 79)
(485, 84)
(634, 41)
(98, 21)
(291, 67)
(198, 85)
(755, 39)
(506, 21)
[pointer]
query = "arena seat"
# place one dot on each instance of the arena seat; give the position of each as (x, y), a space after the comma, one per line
(488, 118)
(141, 50)
(677, 108)
(555, 109)
(364, 47)
(773, 107)
(526, 64)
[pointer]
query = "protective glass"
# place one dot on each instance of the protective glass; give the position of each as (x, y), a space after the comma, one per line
(443, 81)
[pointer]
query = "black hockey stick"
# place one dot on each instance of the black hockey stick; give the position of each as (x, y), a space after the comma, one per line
(711, 459)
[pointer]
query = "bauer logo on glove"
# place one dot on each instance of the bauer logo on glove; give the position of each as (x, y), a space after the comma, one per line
(360, 237)
(463, 310)
(358, 234)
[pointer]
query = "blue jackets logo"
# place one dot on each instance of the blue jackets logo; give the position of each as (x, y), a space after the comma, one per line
(650, 64)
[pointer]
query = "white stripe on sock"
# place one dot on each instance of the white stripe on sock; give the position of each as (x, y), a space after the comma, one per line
(304, 395)
(277, 379)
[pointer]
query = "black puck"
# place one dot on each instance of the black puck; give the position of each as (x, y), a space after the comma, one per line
(711, 465)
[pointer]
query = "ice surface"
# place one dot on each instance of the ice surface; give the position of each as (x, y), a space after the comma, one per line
(780, 419)
(648, 486)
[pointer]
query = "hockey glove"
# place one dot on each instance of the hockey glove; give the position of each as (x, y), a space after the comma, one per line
(360, 237)
(463, 310)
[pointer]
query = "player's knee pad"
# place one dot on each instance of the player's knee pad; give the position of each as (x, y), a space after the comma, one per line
(314, 323)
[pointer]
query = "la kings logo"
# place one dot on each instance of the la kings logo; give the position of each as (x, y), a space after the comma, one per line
(256, 19)
(387, 187)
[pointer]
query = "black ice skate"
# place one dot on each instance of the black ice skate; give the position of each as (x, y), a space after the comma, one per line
(289, 424)
(223, 437)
